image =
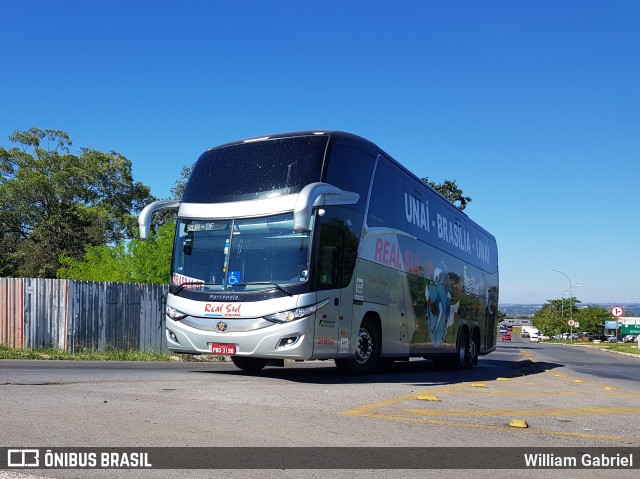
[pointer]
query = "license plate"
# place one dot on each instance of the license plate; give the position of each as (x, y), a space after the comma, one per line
(229, 349)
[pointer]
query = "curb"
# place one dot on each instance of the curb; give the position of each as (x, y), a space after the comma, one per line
(622, 353)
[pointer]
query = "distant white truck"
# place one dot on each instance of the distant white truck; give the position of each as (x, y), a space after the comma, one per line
(535, 337)
(532, 333)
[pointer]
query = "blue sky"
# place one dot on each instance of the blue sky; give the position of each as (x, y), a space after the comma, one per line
(533, 107)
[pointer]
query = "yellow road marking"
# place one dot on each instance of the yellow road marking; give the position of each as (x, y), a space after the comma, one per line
(406, 397)
(527, 355)
(518, 423)
(373, 410)
(522, 412)
(440, 422)
(428, 398)
(527, 393)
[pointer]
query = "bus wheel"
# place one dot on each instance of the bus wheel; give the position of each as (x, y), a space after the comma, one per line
(474, 349)
(249, 364)
(462, 358)
(365, 360)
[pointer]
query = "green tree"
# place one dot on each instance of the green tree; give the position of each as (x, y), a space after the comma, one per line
(53, 202)
(100, 263)
(552, 318)
(592, 319)
(548, 320)
(178, 188)
(450, 191)
(135, 261)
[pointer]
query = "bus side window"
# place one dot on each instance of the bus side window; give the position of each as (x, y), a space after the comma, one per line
(330, 266)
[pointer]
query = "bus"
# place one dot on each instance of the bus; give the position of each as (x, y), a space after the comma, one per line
(318, 245)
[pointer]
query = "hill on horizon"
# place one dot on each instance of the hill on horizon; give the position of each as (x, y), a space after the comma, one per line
(515, 309)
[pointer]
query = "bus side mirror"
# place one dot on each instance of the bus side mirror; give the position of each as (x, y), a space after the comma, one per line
(188, 243)
(144, 220)
(309, 196)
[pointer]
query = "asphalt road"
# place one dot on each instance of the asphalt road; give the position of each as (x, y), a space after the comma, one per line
(566, 395)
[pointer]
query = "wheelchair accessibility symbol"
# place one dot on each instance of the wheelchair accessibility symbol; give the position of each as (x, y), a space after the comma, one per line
(233, 277)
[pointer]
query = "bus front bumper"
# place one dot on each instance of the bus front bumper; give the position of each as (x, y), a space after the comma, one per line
(292, 340)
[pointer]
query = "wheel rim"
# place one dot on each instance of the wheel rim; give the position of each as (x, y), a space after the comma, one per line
(473, 349)
(462, 350)
(364, 347)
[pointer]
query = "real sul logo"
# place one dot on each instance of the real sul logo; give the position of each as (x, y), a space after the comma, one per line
(222, 310)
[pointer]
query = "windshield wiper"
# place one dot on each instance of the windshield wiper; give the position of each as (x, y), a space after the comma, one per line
(176, 288)
(266, 283)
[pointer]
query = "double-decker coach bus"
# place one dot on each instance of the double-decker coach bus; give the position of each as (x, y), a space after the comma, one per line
(319, 245)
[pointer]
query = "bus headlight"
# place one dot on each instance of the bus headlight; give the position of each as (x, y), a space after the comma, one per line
(298, 313)
(174, 314)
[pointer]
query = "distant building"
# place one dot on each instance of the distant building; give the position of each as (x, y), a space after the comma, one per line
(516, 322)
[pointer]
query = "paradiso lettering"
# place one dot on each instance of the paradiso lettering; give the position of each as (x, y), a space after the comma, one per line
(222, 310)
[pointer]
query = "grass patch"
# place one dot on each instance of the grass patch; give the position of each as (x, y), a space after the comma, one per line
(621, 347)
(56, 354)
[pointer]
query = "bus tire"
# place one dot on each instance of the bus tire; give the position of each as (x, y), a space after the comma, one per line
(462, 358)
(249, 364)
(474, 348)
(366, 358)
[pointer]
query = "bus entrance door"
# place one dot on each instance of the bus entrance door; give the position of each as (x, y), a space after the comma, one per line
(327, 326)
(329, 270)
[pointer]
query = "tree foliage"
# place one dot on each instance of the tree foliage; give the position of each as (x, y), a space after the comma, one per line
(451, 192)
(53, 202)
(553, 317)
(592, 318)
(178, 188)
(136, 261)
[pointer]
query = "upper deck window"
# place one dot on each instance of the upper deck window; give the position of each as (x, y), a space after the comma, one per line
(256, 170)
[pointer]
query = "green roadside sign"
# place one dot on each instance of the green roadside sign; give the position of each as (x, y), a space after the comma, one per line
(629, 329)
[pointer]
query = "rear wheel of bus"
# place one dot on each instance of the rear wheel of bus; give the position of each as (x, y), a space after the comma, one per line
(463, 357)
(365, 360)
(474, 348)
(249, 364)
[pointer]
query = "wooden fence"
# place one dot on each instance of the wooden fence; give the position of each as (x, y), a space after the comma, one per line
(82, 315)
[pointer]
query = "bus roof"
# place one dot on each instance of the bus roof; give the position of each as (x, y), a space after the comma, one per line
(337, 136)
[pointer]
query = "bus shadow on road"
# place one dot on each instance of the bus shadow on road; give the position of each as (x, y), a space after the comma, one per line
(416, 372)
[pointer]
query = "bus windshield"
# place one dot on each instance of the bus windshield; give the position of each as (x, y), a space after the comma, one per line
(240, 254)
(253, 171)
